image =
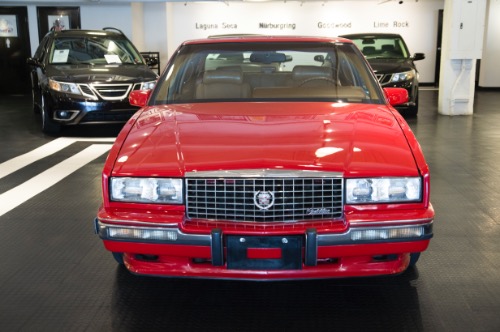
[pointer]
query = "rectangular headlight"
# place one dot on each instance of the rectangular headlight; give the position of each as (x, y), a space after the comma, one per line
(146, 190)
(383, 190)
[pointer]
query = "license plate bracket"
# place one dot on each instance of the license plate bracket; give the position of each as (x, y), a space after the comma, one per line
(264, 252)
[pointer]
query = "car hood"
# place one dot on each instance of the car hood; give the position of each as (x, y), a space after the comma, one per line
(357, 140)
(100, 74)
(385, 66)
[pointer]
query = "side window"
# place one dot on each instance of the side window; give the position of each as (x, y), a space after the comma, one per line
(41, 50)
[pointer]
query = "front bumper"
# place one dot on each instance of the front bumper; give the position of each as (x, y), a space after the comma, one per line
(68, 111)
(360, 251)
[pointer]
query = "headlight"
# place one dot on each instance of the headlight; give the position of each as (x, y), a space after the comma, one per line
(404, 76)
(64, 87)
(146, 190)
(383, 190)
(148, 85)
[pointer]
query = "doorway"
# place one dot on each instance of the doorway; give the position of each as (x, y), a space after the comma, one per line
(14, 50)
(438, 47)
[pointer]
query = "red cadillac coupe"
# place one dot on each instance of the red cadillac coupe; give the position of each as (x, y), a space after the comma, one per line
(266, 158)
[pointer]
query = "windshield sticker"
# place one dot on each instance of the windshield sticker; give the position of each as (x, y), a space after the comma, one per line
(60, 56)
(112, 58)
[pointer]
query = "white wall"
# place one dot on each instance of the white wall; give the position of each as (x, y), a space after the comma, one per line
(489, 73)
(104, 15)
(162, 26)
(415, 21)
(92, 16)
(138, 25)
(156, 31)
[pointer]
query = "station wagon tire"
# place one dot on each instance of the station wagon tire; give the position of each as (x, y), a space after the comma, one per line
(414, 258)
(118, 256)
(36, 108)
(48, 125)
(413, 110)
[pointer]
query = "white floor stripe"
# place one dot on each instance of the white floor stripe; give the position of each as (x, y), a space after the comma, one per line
(93, 139)
(20, 194)
(14, 164)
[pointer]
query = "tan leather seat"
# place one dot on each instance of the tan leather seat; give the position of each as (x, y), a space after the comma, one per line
(223, 84)
(311, 75)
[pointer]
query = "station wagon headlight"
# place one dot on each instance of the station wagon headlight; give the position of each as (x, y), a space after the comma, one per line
(64, 87)
(148, 85)
(383, 190)
(404, 76)
(146, 190)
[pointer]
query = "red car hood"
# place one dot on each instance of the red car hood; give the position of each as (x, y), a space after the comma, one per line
(355, 139)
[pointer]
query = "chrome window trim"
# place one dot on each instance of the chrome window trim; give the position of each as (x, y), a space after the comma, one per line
(263, 173)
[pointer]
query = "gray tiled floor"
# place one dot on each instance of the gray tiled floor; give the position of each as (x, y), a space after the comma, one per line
(55, 275)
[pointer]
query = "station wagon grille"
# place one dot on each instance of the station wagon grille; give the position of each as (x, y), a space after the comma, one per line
(248, 199)
(112, 91)
(384, 78)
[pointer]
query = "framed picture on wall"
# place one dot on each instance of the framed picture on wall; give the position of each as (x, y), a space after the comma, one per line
(8, 26)
(57, 18)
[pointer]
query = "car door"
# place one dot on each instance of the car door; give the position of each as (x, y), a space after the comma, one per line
(37, 72)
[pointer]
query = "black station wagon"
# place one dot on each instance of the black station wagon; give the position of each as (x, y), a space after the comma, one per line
(85, 76)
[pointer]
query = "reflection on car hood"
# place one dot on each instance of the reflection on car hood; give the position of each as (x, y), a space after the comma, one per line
(353, 139)
(100, 74)
(384, 66)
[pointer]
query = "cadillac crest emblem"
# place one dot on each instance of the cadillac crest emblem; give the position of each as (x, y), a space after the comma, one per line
(263, 199)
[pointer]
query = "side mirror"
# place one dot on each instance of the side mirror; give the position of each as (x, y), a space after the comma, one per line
(319, 58)
(33, 62)
(139, 97)
(396, 96)
(418, 56)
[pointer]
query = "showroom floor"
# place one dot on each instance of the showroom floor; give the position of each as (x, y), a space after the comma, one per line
(56, 276)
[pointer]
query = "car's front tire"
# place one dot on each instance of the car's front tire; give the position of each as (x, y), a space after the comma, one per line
(414, 259)
(36, 108)
(118, 256)
(49, 127)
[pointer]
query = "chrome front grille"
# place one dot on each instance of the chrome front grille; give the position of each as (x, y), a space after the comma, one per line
(383, 78)
(266, 199)
(112, 91)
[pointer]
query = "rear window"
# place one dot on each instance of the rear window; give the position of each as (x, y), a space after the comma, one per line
(382, 47)
(267, 71)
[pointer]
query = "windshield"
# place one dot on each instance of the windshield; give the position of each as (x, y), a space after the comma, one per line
(93, 50)
(270, 71)
(374, 47)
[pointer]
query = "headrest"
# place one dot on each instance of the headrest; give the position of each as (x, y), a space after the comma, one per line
(222, 76)
(368, 49)
(304, 72)
(388, 48)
